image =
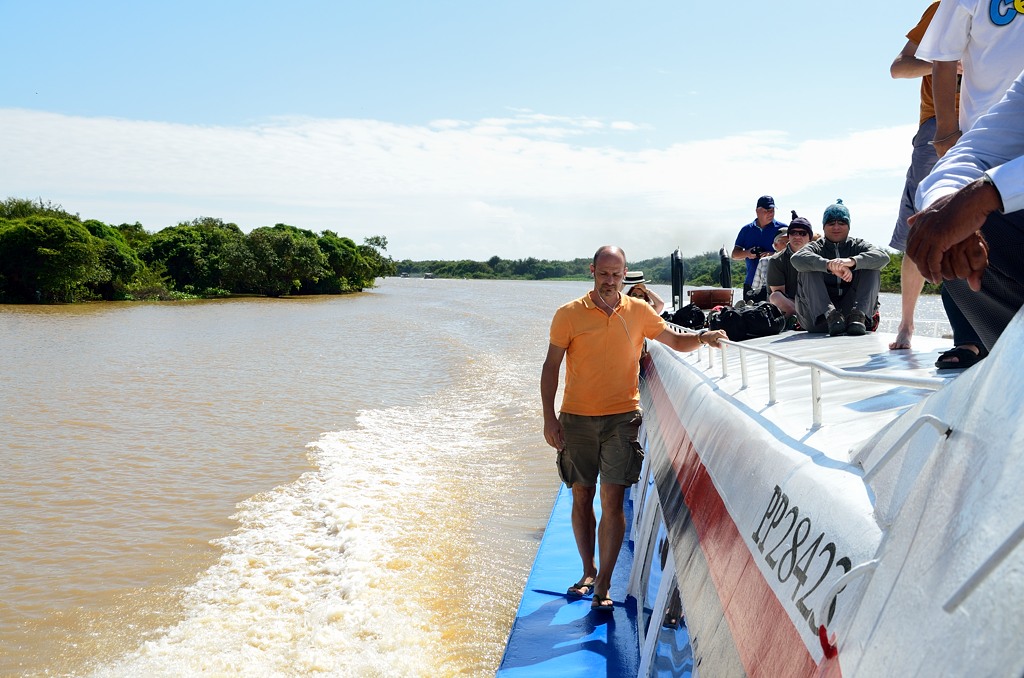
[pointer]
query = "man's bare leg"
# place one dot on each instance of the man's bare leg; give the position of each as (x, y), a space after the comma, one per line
(783, 303)
(610, 534)
(584, 525)
(911, 284)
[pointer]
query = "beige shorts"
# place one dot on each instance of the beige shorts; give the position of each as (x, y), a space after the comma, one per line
(605, 446)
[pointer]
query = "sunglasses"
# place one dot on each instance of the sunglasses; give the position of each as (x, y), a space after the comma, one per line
(800, 232)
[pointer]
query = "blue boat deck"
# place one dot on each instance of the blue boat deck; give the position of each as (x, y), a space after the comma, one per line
(557, 635)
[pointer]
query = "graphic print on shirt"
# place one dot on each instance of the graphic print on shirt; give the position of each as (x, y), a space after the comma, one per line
(1002, 12)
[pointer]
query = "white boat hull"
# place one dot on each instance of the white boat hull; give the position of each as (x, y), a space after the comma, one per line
(767, 512)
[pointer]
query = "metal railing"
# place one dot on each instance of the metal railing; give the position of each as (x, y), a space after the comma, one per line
(816, 367)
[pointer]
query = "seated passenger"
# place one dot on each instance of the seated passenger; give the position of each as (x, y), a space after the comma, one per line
(639, 290)
(839, 278)
(782, 277)
(761, 274)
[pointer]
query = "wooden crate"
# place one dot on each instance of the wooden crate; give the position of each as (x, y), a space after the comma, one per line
(710, 298)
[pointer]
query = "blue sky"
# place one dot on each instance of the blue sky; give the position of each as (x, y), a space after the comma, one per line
(461, 129)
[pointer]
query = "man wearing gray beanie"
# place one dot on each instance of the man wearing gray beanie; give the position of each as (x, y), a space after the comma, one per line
(839, 278)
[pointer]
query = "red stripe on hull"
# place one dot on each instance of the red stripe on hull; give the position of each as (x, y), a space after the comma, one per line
(763, 634)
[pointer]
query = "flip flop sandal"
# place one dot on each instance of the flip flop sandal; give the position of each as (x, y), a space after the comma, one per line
(598, 603)
(580, 589)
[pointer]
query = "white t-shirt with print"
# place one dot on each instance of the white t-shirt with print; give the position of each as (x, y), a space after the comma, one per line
(988, 37)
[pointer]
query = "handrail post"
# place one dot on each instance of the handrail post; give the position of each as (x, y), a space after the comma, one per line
(816, 395)
(743, 368)
(939, 425)
(771, 380)
(859, 571)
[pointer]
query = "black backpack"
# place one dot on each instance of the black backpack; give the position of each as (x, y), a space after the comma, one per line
(759, 320)
(690, 316)
(729, 319)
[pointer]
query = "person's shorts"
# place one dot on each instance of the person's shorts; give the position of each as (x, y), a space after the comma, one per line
(605, 445)
(921, 163)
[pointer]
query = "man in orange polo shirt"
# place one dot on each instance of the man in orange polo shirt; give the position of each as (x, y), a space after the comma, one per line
(595, 433)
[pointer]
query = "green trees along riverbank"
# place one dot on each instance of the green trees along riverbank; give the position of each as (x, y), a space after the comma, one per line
(48, 255)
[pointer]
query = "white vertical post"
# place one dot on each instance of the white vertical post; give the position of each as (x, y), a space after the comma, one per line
(650, 639)
(816, 395)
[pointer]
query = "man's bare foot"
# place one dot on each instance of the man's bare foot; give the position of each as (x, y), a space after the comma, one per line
(902, 339)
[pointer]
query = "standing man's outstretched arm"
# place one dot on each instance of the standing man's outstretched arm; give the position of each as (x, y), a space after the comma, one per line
(548, 387)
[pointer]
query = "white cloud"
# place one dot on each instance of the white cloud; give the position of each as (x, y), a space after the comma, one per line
(524, 185)
(447, 124)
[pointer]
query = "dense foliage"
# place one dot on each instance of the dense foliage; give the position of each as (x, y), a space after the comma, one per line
(700, 270)
(48, 255)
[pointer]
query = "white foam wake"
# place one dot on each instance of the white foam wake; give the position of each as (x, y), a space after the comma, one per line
(338, 572)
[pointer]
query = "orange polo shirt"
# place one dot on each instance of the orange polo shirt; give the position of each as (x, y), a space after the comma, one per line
(602, 369)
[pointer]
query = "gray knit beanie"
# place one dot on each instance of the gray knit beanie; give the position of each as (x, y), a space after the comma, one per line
(836, 212)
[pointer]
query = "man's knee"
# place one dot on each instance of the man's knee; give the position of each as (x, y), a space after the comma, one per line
(612, 497)
(782, 302)
(582, 497)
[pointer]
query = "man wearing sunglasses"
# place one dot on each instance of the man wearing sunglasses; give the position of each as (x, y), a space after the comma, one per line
(782, 277)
